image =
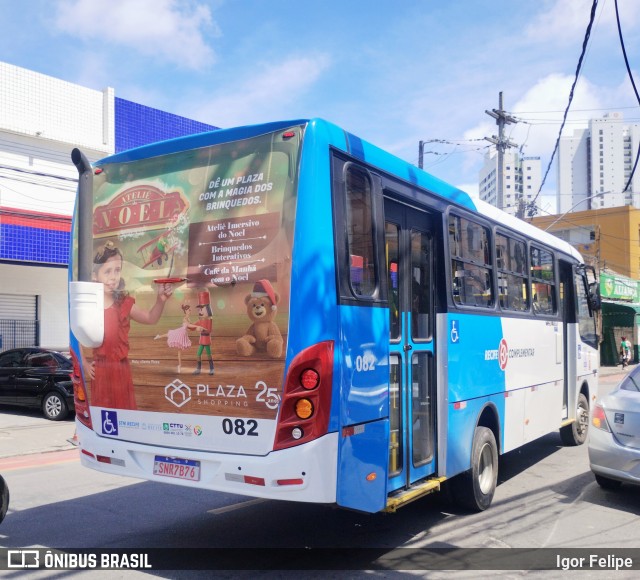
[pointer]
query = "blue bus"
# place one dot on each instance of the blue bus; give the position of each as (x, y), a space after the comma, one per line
(286, 311)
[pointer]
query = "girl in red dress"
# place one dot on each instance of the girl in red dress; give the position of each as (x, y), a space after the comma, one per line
(111, 381)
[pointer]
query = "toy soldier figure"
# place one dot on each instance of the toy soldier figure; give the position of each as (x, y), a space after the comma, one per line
(205, 326)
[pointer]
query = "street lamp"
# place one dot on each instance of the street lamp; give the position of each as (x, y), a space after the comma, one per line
(573, 207)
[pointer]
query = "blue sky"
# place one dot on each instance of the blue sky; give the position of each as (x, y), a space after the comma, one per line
(393, 73)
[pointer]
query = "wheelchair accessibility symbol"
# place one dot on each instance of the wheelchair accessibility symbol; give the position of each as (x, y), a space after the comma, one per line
(454, 334)
(109, 422)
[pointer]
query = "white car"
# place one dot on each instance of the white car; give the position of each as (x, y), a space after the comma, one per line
(614, 437)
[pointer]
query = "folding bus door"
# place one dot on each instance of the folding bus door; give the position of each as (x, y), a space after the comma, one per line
(409, 255)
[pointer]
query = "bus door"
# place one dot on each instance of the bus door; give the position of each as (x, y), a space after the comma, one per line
(412, 405)
(567, 309)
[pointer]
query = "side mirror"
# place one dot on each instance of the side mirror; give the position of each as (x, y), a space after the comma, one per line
(595, 301)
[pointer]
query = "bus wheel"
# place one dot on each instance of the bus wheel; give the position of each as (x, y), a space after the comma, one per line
(474, 489)
(4, 498)
(576, 432)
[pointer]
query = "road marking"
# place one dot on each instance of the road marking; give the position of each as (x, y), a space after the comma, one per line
(38, 459)
(236, 506)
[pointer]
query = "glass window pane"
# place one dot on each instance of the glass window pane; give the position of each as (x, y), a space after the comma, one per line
(360, 233)
(422, 412)
(471, 284)
(420, 284)
(395, 417)
(513, 292)
(543, 298)
(393, 266)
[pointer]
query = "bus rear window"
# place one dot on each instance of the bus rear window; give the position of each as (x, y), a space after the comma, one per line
(362, 275)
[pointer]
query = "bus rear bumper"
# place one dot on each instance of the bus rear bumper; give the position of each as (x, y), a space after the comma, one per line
(305, 473)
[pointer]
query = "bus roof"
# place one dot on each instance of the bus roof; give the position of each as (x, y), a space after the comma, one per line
(362, 149)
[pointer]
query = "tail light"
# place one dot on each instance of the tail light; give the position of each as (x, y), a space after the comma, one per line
(599, 419)
(306, 401)
(80, 393)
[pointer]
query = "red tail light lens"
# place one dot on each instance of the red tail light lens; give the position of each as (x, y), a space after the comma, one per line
(599, 419)
(80, 393)
(306, 401)
(309, 379)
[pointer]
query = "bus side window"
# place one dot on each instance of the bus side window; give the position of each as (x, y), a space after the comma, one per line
(543, 281)
(360, 237)
(470, 263)
(512, 273)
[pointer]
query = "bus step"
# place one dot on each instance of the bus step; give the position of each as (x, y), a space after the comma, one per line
(405, 496)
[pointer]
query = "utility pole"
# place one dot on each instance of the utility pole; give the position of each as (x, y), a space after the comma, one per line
(502, 144)
(420, 154)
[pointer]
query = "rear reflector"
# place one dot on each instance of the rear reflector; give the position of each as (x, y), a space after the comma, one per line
(110, 460)
(290, 481)
(250, 479)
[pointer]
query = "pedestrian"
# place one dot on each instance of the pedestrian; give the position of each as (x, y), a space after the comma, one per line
(625, 352)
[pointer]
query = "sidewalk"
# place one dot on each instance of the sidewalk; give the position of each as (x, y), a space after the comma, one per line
(26, 432)
(617, 370)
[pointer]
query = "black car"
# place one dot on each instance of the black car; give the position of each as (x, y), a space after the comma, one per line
(37, 377)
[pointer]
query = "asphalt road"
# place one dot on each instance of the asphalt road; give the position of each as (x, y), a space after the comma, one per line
(546, 498)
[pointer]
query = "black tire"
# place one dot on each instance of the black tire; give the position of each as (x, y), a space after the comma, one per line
(54, 407)
(4, 498)
(474, 489)
(607, 483)
(576, 433)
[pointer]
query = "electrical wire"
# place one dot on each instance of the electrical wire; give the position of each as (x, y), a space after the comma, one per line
(585, 42)
(635, 90)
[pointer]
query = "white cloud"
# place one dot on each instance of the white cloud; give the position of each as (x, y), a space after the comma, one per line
(173, 30)
(566, 21)
(269, 93)
(543, 107)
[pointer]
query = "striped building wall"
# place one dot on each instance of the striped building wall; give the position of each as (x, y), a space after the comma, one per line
(41, 120)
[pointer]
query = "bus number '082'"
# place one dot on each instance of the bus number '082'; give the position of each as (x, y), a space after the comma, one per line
(240, 427)
(365, 363)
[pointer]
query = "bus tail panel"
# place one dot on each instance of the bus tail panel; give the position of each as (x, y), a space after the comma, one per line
(192, 250)
(306, 473)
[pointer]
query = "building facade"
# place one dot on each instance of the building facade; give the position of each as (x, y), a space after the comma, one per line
(42, 119)
(594, 165)
(608, 238)
(521, 181)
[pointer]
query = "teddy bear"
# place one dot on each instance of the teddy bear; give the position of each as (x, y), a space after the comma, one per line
(263, 335)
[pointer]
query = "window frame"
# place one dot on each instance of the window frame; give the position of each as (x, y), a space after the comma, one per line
(524, 276)
(553, 283)
(487, 266)
(340, 165)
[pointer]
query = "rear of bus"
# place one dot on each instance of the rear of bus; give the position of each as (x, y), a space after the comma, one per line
(187, 366)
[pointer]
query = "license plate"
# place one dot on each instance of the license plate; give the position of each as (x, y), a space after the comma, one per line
(176, 467)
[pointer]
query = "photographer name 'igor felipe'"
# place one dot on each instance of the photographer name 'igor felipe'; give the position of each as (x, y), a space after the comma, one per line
(595, 562)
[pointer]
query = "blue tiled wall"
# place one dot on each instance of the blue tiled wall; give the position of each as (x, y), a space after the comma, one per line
(135, 125)
(26, 244)
(138, 125)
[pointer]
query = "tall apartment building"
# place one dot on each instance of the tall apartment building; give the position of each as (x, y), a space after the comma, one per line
(594, 165)
(521, 180)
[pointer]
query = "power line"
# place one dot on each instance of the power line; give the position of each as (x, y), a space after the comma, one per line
(594, 5)
(635, 90)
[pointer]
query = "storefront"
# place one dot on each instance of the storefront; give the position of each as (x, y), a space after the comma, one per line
(620, 316)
